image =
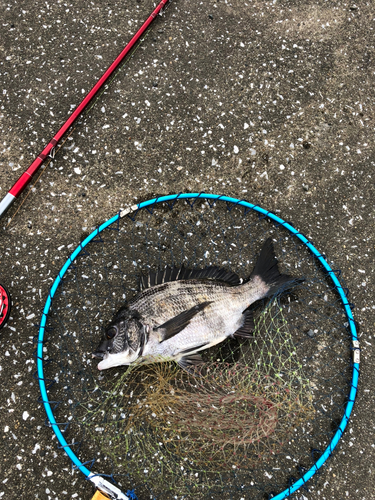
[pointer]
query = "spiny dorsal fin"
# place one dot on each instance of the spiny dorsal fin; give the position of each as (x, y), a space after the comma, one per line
(181, 273)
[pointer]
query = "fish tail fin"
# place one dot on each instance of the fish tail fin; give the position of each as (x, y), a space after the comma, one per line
(267, 269)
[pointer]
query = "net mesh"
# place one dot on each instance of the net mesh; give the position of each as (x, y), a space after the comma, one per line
(254, 417)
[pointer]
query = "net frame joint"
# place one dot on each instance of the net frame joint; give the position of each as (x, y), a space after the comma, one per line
(107, 488)
(356, 352)
(128, 210)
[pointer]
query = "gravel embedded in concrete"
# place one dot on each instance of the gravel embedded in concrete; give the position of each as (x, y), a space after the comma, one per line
(255, 100)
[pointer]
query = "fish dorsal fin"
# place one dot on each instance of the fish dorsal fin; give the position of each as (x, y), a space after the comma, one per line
(182, 273)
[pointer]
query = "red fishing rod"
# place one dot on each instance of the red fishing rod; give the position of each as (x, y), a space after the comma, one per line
(26, 177)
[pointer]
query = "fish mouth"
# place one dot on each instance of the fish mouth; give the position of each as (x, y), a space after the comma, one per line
(106, 362)
(101, 365)
(111, 360)
(98, 354)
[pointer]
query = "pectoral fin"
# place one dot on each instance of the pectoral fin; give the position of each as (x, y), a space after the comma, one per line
(175, 325)
(189, 363)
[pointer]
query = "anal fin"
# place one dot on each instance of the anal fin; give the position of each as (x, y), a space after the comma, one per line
(247, 329)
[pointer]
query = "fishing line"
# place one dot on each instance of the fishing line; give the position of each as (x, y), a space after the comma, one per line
(273, 408)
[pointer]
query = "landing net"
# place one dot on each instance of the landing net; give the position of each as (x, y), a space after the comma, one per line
(256, 417)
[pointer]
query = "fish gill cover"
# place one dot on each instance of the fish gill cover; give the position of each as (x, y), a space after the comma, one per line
(250, 420)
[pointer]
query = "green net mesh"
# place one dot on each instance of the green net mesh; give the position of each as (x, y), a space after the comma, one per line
(254, 417)
(230, 414)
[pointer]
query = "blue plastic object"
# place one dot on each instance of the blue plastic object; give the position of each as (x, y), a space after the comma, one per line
(192, 198)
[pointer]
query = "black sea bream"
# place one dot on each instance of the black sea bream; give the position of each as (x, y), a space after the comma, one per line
(180, 312)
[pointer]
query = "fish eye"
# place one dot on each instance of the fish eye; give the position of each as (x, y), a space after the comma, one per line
(111, 332)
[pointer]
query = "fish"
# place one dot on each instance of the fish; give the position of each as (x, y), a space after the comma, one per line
(179, 312)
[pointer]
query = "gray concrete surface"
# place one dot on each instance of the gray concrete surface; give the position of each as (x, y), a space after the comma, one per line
(268, 101)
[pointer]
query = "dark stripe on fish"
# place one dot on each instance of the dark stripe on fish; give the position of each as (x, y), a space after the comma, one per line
(175, 325)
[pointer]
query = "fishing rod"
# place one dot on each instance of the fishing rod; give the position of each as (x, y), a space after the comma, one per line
(48, 151)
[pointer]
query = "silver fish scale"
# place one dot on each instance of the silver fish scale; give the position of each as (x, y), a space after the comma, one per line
(221, 318)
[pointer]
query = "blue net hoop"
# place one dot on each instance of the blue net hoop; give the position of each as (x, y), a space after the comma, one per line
(192, 198)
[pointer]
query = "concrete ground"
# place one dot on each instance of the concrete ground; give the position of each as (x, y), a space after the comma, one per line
(272, 102)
